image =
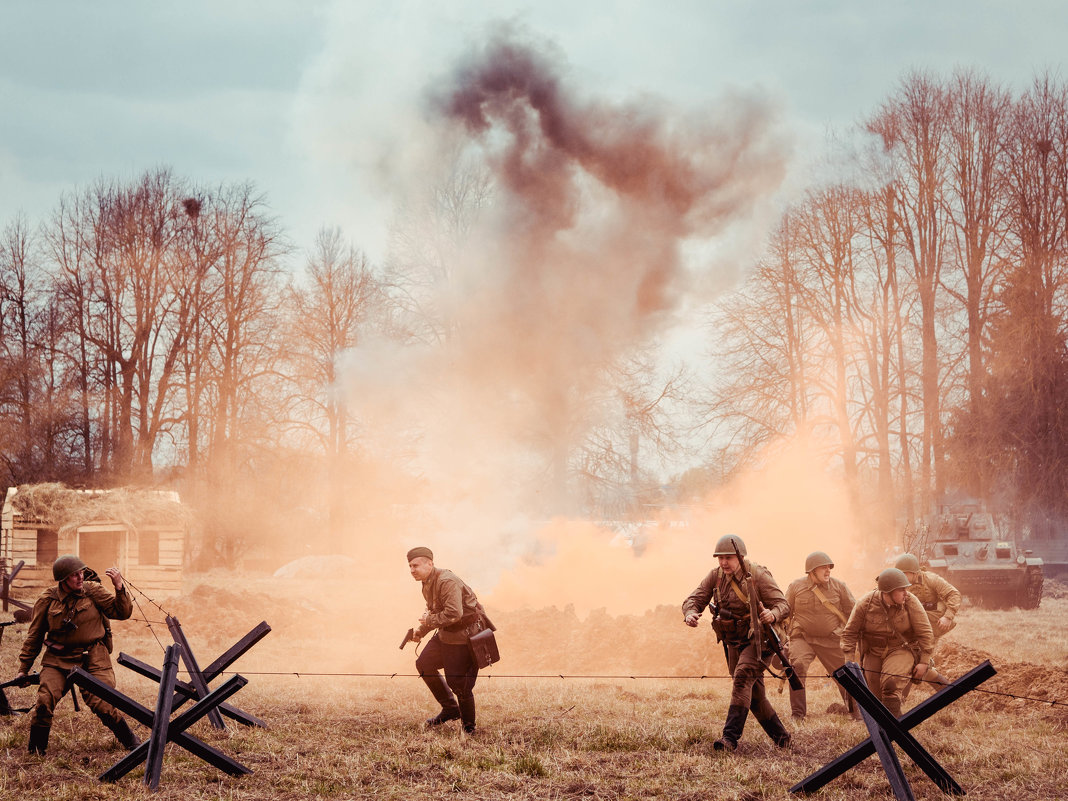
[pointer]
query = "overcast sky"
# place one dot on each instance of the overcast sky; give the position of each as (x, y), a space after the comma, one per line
(311, 100)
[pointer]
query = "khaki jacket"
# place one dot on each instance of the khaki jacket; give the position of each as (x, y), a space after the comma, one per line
(452, 608)
(876, 627)
(937, 595)
(72, 621)
(809, 616)
(716, 589)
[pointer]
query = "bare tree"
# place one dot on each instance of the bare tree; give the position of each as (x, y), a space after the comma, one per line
(912, 125)
(328, 314)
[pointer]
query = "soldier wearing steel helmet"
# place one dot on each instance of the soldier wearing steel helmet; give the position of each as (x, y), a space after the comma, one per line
(940, 599)
(820, 606)
(69, 620)
(893, 636)
(726, 592)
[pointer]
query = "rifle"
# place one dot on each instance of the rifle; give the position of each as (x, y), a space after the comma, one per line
(757, 630)
(23, 681)
(787, 668)
(760, 634)
(409, 637)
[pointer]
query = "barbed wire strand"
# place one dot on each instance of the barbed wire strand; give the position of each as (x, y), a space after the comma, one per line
(302, 674)
(576, 676)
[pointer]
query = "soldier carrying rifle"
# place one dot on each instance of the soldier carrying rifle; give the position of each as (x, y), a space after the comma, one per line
(744, 598)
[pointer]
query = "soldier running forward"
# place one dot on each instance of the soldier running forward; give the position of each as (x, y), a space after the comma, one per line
(894, 637)
(940, 599)
(452, 609)
(819, 609)
(726, 592)
(70, 621)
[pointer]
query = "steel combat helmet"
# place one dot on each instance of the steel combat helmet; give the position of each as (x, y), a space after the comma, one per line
(908, 562)
(65, 565)
(892, 579)
(725, 546)
(817, 559)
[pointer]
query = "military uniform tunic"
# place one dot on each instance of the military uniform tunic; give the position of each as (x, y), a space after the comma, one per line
(70, 627)
(939, 598)
(815, 628)
(892, 640)
(744, 658)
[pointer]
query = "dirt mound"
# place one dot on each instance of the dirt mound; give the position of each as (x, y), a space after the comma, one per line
(1017, 687)
(1054, 588)
(653, 644)
(218, 614)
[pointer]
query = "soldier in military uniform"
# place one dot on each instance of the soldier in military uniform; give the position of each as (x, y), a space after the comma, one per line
(453, 609)
(727, 593)
(940, 599)
(820, 606)
(894, 637)
(69, 621)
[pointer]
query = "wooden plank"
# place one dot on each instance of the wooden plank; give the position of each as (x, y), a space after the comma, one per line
(915, 716)
(188, 691)
(179, 725)
(143, 715)
(157, 742)
(193, 668)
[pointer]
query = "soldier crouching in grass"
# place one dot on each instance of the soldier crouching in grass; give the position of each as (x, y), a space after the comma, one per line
(70, 621)
(727, 591)
(941, 601)
(453, 609)
(893, 634)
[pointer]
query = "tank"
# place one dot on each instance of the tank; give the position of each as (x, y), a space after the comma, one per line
(988, 567)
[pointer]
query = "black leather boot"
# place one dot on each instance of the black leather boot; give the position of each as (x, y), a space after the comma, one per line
(467, 713)
(775, 730)
(38, 742)
(121, 729)
(798, 703)
(732, 729)
(450, 710)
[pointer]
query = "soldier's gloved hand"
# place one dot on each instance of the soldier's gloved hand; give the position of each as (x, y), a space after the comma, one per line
(919, 671)
(691, 619)
(944, 624)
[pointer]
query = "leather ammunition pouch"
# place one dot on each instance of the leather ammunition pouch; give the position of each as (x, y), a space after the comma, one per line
(484, 648)
(730, 629)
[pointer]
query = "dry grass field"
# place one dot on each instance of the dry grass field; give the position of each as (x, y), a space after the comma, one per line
(337, 735)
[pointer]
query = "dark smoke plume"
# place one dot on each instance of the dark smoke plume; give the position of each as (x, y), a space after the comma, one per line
(600, 197)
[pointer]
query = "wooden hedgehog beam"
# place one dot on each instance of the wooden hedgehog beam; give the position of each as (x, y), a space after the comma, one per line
(5, 589)
(163, 729)
(887, 728)
(192, 690)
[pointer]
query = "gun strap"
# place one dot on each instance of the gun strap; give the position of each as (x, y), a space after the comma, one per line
(739, 591)
(829, 605)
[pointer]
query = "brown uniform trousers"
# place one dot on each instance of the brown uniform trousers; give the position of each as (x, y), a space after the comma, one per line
(95, 661)
(814, 634)
(891, 639)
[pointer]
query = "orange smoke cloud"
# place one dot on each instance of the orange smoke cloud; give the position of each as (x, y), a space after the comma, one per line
(783, 512)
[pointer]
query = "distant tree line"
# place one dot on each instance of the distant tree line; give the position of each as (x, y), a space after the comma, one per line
(910, 314)
(150, 332)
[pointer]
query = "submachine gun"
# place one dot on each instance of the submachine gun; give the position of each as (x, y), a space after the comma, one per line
(765, 637)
